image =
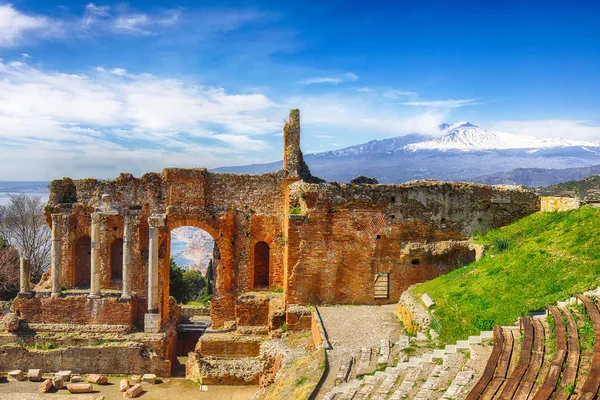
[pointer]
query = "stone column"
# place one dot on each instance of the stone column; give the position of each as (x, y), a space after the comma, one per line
(151, 319)
(25, 281)
(55, 254)
(128, 221)
(95, 261)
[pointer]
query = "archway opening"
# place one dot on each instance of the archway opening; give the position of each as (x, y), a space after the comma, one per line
(261, 265)
(194, 255)
(116, 260)
(83, 262)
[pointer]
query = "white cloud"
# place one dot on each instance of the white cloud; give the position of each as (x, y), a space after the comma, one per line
(556, 128)
(347, 77)
(399, 94)
(442, 103)
(25, 55)
(97, 20)
(14, 25)
(112, 113)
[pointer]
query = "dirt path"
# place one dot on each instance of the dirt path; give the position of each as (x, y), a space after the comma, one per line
(351, 328)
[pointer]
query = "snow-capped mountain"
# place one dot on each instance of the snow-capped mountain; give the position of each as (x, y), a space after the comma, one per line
(465, 136)
(460, 151)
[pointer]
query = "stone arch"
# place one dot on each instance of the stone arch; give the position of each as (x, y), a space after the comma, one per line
(116, 260)
(82, 259)
(262, 261)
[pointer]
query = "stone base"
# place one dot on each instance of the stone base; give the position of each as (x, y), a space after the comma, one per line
(151, 323)
(25, 295)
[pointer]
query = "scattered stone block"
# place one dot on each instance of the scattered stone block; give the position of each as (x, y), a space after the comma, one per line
(133, 391)
(34, 375)
(149, 378)
(76, 379)
(427, 300)
(66, 375)
(80, 388)
(98, 379)
(203, 388)
(15, 376)
(123, 385)
(136, 378)
(58, 382)
(45, 386)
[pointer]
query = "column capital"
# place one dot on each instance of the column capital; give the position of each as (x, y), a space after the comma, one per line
(96, 216)
(57, 217)
(157, 220)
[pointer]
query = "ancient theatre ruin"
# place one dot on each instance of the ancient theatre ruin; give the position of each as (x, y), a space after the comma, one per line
(343, 243)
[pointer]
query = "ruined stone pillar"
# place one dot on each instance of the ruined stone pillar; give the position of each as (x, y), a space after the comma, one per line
(25, 281)
(151, 319)
(128, 222)
(95, 261)
(55, 254)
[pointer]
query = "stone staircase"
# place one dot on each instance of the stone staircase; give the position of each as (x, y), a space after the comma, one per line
(439, 374)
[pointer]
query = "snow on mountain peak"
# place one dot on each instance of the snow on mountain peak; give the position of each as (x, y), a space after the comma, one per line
(464, 136)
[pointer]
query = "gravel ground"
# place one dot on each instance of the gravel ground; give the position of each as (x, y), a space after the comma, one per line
(351, 328)
(170, 388)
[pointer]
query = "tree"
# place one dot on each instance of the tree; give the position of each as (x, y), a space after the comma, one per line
(210, 277)
(186, 285)
(9, 271)
(176, 285)
(23, 225)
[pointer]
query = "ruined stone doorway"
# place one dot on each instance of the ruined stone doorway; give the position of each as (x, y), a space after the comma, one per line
(116, 260)
(261, 265)
(83, 261)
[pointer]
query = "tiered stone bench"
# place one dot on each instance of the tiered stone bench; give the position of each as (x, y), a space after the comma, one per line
(542, 371)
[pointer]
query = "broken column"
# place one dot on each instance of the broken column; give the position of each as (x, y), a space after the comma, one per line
(25, 281)
(128, 222)
(95, 261)
(55, 254)
(151, 319)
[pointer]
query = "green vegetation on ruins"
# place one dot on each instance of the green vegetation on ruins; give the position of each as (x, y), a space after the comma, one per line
(537, 261)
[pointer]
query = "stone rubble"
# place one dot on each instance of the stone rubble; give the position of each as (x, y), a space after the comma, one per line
(15, 375)
(34, 375)
(45, 386)
(133, 391)
(98, 379)
(80, 388)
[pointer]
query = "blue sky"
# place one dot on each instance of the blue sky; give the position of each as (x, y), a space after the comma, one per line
(93, 89)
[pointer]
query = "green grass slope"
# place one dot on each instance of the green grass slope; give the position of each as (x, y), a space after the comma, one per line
(539, 260)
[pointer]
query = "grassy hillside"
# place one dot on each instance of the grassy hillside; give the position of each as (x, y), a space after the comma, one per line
(536, 261)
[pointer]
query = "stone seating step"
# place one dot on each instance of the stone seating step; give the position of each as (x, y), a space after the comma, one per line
(456, 388)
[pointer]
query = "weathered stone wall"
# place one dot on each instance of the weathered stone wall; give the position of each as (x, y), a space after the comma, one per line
(126, 359)
(558, 203)
(413, 232)
(76, 310)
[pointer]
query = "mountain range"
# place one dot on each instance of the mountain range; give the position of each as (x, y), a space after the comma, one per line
(461, 152)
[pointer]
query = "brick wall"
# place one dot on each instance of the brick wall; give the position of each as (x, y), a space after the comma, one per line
(349, 233)
(76, 310)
